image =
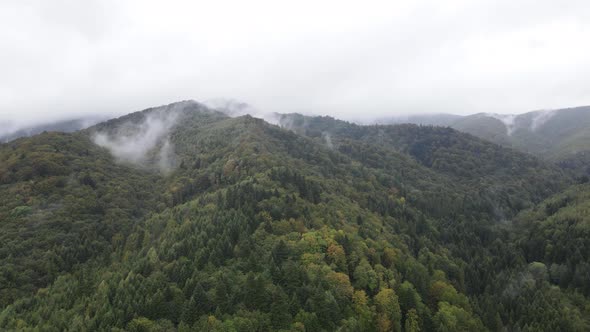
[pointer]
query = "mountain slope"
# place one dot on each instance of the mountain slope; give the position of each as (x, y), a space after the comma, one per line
(497, 175)
(554, 240)
(557, 233)
(63, 201)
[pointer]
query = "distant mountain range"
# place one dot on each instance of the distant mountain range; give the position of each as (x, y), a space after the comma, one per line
(551, 134)
(66, 126)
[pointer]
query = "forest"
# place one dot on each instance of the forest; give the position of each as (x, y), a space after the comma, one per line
(314, 224)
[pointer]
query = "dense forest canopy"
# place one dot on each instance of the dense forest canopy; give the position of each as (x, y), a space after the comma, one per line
(182, 218)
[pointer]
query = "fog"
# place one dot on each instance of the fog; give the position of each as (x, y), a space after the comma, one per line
(235, 108)
(145, 143)
(541, 118)
(351, 60)
(507, 119)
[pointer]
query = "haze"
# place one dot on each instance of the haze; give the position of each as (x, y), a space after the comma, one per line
(353, 60)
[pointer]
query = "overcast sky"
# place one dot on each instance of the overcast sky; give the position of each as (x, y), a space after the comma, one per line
(64, 58)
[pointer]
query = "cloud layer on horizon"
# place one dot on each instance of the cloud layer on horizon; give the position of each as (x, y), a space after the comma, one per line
(65, 58)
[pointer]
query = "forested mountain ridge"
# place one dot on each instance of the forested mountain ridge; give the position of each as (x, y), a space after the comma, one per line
(462, 158)
(208, 222)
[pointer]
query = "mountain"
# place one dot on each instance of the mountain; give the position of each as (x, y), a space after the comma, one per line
(66, 126)
(555, 135)
(180, 217)
(551, 134)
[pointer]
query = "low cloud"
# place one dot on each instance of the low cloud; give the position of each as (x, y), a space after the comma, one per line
(541, 118)
(145, 144)
(328, 138)
(234, 108)
(507, 119)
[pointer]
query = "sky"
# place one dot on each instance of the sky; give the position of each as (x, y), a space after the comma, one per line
(349, 59)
